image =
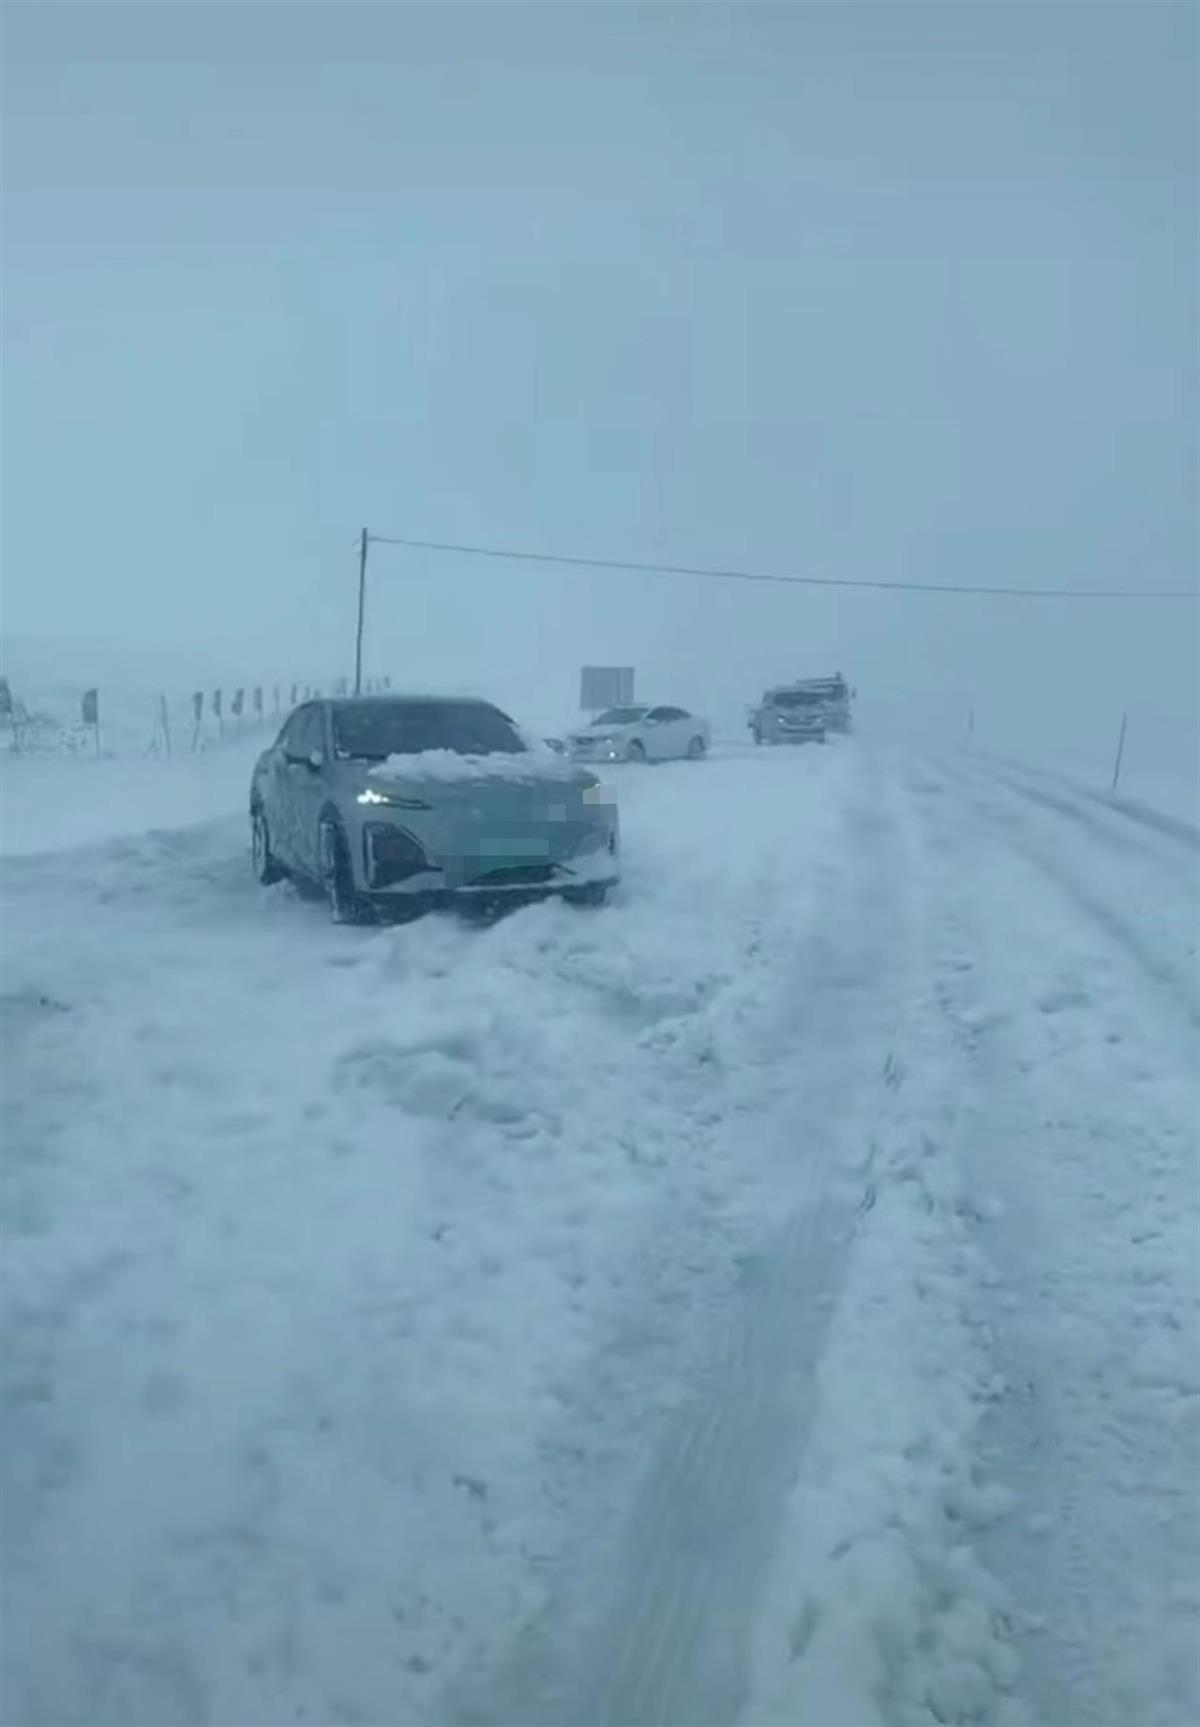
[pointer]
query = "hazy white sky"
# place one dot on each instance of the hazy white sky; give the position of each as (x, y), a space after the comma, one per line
(875, 290)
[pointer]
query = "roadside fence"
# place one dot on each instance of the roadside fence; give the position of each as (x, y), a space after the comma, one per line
(112, 721)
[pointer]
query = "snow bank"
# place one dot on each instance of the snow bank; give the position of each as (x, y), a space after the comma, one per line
(51, 803)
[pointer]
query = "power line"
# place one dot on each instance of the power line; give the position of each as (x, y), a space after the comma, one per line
(723, 575)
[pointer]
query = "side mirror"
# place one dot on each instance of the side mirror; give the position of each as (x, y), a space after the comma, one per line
(314, 760)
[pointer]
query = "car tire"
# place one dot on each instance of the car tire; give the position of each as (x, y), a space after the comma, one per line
(696, 750)
(337, 877)
(592, 894)
(267, 868)
(636, 751)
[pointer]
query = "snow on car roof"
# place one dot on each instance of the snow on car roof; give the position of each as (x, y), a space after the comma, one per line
(400, 698)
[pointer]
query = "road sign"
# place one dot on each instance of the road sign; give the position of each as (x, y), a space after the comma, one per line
(604, 687)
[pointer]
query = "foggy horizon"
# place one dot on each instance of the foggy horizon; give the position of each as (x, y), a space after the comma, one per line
(862, 293)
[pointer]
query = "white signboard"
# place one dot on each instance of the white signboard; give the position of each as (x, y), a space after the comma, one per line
(604, 687)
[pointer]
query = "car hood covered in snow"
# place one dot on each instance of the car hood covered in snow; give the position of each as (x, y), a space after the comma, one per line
(524, 767)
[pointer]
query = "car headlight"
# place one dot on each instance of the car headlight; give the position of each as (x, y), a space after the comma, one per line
(390, 800)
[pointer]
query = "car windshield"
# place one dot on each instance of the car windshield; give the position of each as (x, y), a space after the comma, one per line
(372, 731)
(619, 716)
(795, 699)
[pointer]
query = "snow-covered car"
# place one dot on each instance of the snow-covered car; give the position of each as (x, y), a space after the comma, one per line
(641, 734)
(407, 802)
(789, 715)
(802, 712)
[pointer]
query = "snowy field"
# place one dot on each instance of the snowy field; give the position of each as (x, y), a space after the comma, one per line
(770, 1299)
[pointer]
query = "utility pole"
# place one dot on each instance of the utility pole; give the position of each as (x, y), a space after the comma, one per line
(362, 590)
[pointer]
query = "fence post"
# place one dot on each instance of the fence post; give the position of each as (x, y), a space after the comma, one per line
(166, 723)
(8, 711)
(971, 724)
(89, 713)
(1120, 751)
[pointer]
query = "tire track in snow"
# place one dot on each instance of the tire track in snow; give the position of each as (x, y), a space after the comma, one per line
(1110, 825)
(665, 1634)
(1129, 812)
(1171, 977)
(1094, 1261)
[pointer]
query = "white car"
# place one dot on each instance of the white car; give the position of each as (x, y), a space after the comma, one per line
(641, 734)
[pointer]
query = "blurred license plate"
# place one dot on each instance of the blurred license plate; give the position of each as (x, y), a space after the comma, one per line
(509, 847)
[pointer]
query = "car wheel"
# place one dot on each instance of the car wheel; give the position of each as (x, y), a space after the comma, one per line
(592, 893)
(696, 749)
(337, 877)
(636, 751)
(266, 868)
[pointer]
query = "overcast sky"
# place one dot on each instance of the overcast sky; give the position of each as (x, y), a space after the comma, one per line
(865, 291)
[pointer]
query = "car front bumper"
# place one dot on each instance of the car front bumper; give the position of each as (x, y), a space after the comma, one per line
(794, 734)
(591, 750)
(393, 863)
(428, 893)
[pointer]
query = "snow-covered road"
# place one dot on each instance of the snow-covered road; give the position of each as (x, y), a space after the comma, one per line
(771, 1298)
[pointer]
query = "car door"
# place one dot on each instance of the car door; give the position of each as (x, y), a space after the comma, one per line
(683, 729)
(276, 786)
(307, 787)
(658, 733)
(669, 732)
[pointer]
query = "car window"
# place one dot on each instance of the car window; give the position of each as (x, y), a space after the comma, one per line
(660, 714)
(292, 727)
(314, 731)
(373, 730)
(620, 716)
(303, 732)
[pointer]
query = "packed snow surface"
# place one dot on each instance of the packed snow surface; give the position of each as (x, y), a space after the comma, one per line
(772, 1298)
